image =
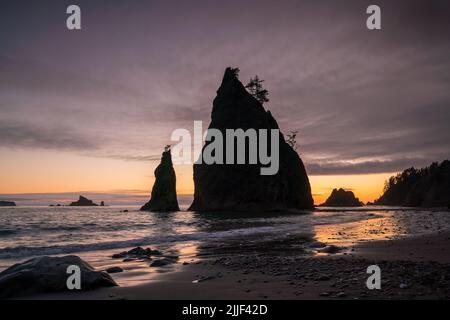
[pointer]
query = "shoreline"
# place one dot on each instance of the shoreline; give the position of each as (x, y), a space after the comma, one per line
(413, 267)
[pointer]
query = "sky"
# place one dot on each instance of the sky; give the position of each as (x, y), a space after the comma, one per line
(91, 110)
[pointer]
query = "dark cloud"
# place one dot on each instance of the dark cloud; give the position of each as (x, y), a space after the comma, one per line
(362, 101)
(364, 167)
(20, 135)
(129, 157)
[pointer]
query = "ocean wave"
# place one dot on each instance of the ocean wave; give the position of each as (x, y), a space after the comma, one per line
(43, 236)
(7, 232)
(60, 228)
(25, 251)
(82, 227)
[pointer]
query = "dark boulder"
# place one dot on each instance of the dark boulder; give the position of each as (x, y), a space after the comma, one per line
(161, 262)
(342, 198)
(331, 249)
(114, 270)
(7, 204)
(164, 195)
(241, 187)
(83, 202)
(144, 252)
(49, 274)
(137, 253)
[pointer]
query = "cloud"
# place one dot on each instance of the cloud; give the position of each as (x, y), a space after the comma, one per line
(362, 101)
(362, 167)
(131, 157)
(28, 135)
(17, 135)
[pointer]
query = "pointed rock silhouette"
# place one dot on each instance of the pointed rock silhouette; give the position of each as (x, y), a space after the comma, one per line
(164, 196)
(226, 187)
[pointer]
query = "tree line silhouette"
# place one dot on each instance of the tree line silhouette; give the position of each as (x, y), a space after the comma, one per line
(425, 187)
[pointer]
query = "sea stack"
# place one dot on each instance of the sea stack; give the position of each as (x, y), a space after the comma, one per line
(164, 195)
(83, 202)
(7, 204)
(342, 198)
(241, 187)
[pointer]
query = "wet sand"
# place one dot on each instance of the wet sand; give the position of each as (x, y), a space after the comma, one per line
(411, 268)
(435, 248)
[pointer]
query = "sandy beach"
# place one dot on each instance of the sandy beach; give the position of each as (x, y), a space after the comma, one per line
(415, 267)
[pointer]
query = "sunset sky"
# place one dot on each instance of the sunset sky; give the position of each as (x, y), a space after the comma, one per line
(91, 110)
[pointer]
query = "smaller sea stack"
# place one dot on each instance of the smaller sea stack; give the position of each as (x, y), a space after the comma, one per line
(164, 195)
(342, 198)
(83, 202)
(7, 204)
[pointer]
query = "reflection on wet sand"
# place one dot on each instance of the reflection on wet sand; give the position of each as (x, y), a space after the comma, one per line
(382, 225)
(347, 234)
(138, 271)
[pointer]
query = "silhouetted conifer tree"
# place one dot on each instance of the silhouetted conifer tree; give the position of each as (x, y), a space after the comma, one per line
(256, 89)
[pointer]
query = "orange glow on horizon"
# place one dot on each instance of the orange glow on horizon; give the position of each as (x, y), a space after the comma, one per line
(57, 172)
(366, 187)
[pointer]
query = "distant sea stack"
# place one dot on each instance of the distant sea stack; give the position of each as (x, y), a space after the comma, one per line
(83, 202)
(7, 204)
(227, 187)
(342, 198)
(426, 187)
(164, 196)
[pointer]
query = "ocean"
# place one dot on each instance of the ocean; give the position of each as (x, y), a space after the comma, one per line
(34, 231)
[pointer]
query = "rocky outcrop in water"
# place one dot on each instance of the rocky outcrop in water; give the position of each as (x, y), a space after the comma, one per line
(241, 187)
(426, 187)
(83, 202)
(342, 198)
(164, 195)
(7, 204)
(137, 253)
(49, 274)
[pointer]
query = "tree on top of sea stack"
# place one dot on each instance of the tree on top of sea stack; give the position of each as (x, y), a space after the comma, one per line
(164, 195)
(241, 187)
(256, 89)
(292, 139)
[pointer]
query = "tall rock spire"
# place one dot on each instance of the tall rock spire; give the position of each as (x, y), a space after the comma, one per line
(164, 196)
(231, 187)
